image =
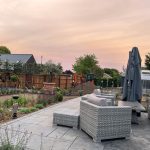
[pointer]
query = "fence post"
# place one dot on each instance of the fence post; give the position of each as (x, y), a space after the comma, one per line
(59, 81)
(66, 81)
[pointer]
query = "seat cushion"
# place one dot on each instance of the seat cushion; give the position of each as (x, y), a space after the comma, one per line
(97, 101)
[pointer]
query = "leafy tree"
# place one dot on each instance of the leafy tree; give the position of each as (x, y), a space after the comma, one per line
(87, 64)
(27, 68)
(147, 61)
(6, 66)
(18, 68)
(39, 69)
(98, 72)
(116, 77)
(4, 50)
(52, 69)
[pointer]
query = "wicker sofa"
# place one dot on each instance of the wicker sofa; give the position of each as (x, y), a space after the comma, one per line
(105, 122)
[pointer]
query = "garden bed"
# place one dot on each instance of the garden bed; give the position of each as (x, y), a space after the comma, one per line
(28, 103)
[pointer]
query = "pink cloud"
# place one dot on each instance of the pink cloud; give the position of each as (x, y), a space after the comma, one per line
(62, 30)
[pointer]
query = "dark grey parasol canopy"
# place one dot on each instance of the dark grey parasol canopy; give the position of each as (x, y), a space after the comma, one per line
(132, 88)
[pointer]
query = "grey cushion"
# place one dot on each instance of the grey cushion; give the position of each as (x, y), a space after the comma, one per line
(97, 101)
(84, 97)
(97, 91)
(109, 102)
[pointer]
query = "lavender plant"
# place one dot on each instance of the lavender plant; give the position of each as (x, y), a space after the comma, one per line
(13, 139)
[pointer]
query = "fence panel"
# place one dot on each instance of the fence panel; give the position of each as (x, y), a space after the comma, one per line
(62, 81)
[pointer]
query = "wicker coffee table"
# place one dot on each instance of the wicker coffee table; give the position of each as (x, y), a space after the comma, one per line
(66, 117)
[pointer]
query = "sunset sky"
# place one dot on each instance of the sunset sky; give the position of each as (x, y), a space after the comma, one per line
(62, 30)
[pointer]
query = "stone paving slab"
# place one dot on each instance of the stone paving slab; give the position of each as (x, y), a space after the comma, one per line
(59, 132)
(86, 143)
(64, 138)
(47, 143)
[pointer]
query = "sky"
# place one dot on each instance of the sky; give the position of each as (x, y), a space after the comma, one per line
(63, 30)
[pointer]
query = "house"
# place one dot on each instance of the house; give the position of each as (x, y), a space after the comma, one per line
(107, 76)
(145, 78)
(7, 65)
(15, 58)
(68, 72)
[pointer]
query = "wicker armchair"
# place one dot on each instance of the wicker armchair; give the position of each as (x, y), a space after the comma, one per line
(105, 122)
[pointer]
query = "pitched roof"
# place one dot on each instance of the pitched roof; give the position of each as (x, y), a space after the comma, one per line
(107, 76)
(14, 58)
(68, 72)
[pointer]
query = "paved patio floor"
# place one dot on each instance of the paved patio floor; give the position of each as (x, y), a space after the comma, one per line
(64, 138)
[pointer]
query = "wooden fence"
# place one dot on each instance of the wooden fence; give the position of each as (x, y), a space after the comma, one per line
(26, 80)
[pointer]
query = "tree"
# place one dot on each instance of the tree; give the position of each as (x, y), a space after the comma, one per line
(116, 77)
(18, 67)
(52, 69)
(4, 50)
(39, 69)
(147, 61)
(87, 64)
(98, 72)
(7, 67)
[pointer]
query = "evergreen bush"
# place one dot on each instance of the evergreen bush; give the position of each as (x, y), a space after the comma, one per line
(39, 106)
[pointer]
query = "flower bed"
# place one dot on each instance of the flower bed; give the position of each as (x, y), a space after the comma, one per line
(27, 103)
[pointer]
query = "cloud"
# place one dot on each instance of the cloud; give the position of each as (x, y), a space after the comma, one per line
(62, 30)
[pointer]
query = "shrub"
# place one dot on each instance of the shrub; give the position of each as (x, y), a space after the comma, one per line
(57, 89)
(42, 101)
(8, 103)
(1, 104)
(59, 96)
(22, 101)
(13, 139)
(1, 114)
(3, 91)
(65, 91)
(14, 78)
(1, 110)
(32, 109)
(25, 110)
(31, 102)
(39, 106)
(5, 114)
(6, 92)
(34, 90)
(11, 91)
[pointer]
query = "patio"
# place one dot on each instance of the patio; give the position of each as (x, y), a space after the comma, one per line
(64, 138)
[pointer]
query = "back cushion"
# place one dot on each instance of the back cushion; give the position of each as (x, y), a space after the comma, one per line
(97, 91)
(84, 98)
(97, 101)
